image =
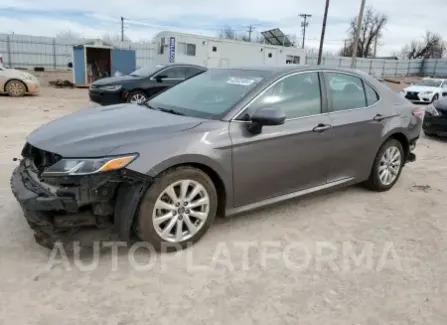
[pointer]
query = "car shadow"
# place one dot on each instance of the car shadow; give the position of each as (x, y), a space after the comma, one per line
(436, 139)
(222, 228)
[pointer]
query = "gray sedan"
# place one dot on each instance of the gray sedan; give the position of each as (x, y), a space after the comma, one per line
(224, 142)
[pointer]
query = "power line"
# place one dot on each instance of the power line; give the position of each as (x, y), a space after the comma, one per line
(304, 24)
(252, 27)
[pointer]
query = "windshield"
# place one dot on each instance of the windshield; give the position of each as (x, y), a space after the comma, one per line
(209, 95)
(429, 83)
(145, 72)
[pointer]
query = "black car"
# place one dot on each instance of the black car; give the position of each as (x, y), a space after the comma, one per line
(435, 118)
(141, 84)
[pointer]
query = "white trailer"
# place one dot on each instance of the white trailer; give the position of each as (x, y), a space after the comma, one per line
(173, 47)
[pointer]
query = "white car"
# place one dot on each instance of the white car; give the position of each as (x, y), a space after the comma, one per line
(17, 83)
(426, 90)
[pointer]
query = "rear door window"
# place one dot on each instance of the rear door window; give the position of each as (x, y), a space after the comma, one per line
(346, 91)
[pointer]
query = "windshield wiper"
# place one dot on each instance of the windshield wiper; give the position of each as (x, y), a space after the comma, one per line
(146, 103)
(168, 110)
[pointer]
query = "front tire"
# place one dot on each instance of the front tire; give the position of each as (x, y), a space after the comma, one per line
(387, 166)
(15, 88)
(435, 98)
(177, 209)
(136, 97)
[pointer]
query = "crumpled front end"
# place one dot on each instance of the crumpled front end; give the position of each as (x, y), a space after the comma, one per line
(81, 208)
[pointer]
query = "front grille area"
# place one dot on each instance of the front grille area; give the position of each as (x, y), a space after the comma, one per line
(412, 95)
(39, 157)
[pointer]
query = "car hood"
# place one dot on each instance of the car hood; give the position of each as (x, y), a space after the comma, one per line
(97, 131)
(421, 88)
(13, 73)
(113, 80)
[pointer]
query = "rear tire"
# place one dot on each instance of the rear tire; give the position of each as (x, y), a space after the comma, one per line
(428, 134)
(387, 166)
(177, 209)
(136, 97)
(15, 88)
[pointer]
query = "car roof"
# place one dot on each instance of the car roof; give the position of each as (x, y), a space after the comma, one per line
(290, 68)
(184, 65)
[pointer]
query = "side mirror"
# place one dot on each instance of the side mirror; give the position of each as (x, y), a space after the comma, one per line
(266, 116)
(160, 78)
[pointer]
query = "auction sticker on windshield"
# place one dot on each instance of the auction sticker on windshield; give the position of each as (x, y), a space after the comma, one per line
(240, 81)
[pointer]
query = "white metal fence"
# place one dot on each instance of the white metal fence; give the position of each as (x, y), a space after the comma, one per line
(24, 51)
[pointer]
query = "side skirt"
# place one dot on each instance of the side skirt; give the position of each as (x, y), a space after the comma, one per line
(252, 206)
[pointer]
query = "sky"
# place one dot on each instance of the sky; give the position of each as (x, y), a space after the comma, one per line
(144, 18)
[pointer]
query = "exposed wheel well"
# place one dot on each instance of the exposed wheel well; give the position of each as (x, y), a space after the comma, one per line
(217, 181)
(6, 83)
(403, 141)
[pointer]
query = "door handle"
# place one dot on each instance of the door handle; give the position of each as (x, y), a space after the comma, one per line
(322, 127)
(379, 117)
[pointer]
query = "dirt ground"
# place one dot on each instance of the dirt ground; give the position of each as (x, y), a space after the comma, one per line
(298, 269)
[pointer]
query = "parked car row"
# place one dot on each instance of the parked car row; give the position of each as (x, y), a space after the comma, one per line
(223, 142)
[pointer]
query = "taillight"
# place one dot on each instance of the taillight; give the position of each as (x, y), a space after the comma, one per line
(419, 112)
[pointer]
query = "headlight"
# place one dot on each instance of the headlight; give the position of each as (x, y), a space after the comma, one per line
(73, 167)
(432, 110)
(27, 76)
(111, 88)
(427, 93)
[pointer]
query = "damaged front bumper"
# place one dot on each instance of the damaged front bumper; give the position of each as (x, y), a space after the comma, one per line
(78, 209)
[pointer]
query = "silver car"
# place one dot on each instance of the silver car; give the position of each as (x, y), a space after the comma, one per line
(223, 142)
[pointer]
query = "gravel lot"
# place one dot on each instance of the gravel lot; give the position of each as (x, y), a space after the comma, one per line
(402, 280)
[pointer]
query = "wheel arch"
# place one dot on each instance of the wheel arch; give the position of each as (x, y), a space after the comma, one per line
(14, 79)
(215, 177)
(399, 136)
(402, 138)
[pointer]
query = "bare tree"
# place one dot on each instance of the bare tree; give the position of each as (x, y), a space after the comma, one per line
(373, 25)
(69, 35)
(114, 38)
(431, 47)
(228, 33)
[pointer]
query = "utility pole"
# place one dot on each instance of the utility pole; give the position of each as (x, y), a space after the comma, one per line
(357, 34)
(375, 45)
(323, 31)
(304, 24)
(122, 29)
(250, 30)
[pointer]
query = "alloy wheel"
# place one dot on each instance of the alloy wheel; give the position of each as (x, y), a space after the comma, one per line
(15, 88)
(390, 165)
(137, 99)
(180, 211)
